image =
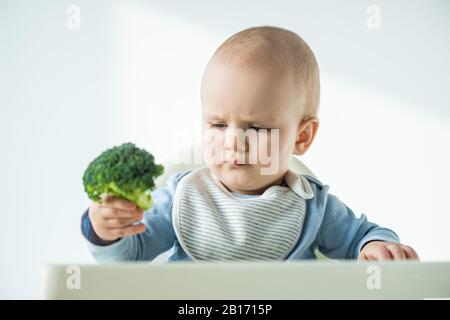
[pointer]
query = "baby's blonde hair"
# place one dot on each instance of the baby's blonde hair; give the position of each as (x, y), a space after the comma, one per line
(281, 47)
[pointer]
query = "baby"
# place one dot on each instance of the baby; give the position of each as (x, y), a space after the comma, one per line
(260, 98)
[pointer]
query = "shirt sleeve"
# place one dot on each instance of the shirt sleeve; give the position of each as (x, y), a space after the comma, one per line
(342, 235)
(158, 237)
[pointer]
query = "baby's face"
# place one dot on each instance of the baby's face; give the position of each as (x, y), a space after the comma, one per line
(239, 101)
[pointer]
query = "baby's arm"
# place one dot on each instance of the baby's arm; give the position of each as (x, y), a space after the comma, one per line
(135, 244)
(344, 236)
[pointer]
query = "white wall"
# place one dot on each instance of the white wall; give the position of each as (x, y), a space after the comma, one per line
(132, 72)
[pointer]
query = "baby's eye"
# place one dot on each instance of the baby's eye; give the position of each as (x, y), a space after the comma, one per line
(259, 128)
(218, 125)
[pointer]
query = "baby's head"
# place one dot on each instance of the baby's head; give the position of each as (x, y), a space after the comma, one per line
(263, 77)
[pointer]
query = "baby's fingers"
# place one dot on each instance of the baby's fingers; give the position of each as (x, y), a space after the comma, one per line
(118, 223)
(114, 213)
(396, 252)
(118, 203)
(410, 252)
(128, 231)
(377, 253)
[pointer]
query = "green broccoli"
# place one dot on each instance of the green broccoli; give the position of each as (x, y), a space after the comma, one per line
(123, 171)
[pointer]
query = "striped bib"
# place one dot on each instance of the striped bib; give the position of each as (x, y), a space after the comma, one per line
(212, 224)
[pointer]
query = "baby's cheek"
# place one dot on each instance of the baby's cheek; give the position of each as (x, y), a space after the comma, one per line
(213, 152)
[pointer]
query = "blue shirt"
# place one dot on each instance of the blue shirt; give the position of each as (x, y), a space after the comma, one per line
(329, 226)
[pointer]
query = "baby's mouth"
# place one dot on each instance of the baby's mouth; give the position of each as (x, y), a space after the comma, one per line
(236, 159)
(235, 162)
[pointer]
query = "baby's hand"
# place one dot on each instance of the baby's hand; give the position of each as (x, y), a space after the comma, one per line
(114, 218)
(381, 250)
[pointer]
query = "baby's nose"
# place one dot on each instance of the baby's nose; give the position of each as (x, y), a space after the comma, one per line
(236, 140)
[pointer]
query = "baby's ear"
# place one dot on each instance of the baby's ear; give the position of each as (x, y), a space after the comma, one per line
(306, 133)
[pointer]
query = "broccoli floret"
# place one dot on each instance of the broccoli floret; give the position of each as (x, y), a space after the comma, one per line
(123, 171)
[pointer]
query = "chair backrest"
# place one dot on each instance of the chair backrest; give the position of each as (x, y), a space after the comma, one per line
(183, 159)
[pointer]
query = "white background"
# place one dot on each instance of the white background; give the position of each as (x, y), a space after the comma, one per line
(132, 73)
